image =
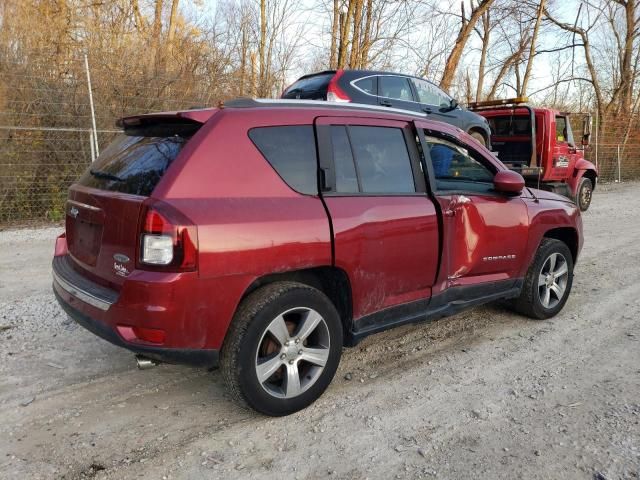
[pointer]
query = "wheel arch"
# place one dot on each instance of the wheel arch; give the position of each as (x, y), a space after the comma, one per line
(567, 235)
(332, 281)
(479, 129)
(591, 175)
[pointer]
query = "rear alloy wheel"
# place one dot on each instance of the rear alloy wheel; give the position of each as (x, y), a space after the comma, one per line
(478, 137)
(585, 191)
(282, 349)
(292, 352)
(548, 281)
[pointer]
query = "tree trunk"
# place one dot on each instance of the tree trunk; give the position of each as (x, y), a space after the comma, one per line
(243, 57)
(366, 41)
(486, 38)
(344, 33)
(154, 58)
(463, 35)
(335, 26)
(626, 69)
(532, 51)
(263, 41)
(355, 42)
(172, 25)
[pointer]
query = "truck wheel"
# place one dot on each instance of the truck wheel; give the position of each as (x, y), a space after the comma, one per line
(282, 349)
(548, 281)
(585, 190)
(478, 137)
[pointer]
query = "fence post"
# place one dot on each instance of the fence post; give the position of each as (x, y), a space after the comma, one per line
(597, 126)
(93, 147)
(619, 173)
(93, 113)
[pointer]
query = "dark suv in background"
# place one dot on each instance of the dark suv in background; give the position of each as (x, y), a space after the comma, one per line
(389, 90)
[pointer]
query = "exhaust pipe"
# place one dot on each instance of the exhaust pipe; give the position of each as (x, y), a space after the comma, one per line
(145, 363)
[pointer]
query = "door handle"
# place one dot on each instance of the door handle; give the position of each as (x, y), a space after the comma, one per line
(427, 110)
(385, 103)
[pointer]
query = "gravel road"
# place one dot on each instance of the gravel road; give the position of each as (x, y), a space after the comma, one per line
(485, 394)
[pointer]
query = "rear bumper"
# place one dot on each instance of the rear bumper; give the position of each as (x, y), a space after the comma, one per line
(195, 357)
(101, 311)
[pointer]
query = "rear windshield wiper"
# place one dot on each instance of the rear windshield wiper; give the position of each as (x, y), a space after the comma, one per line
(105, 175)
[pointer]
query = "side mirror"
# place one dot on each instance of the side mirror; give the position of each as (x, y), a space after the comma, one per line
(508, 181)
(453, 104)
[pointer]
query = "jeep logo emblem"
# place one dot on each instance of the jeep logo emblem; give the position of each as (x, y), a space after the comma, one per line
(119, 257)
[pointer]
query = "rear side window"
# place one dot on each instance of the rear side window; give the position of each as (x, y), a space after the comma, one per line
(346, 178)
(395, 87)
(132, 164)
(382, 160)
(310, 84)
(291, 151)
(367, 85)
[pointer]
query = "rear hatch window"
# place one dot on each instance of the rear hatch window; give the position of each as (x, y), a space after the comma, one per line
(133, 164)
(310, 88)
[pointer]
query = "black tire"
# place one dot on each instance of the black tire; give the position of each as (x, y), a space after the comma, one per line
(585, 191)
(478, 137)
(530, 302)
(248, 333)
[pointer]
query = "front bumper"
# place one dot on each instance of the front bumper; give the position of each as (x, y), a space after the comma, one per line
(78, 296)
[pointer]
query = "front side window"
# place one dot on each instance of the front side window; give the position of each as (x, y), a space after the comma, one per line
(395, 87)
(291, 151)
(563, 130)
(429, 94)
(455, 169)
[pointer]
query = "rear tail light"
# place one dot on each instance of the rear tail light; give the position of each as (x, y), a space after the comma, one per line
(168, 240)
(334, 92)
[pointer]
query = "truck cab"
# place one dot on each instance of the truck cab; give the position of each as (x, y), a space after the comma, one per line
(540, 144)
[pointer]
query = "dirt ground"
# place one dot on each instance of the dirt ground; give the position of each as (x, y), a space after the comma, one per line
(485, 394)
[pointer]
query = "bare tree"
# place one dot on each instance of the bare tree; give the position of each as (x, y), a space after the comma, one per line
(466, 28)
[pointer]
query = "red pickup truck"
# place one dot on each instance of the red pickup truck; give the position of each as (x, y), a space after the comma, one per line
(266, 235)
(539, 144)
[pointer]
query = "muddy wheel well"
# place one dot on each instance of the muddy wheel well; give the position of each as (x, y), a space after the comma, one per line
(591, 175)
(480, 131)
(332, 281)
(567, 235)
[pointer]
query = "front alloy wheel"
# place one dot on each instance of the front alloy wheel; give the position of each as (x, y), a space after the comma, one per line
(548, 281)
(552, 280)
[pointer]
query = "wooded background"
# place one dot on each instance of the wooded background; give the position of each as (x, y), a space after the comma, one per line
(152, 55)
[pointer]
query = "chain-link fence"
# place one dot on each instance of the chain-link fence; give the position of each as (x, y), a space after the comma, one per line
(615, 148)
(46, 128)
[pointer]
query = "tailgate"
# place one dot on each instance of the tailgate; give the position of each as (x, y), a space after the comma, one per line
(104, 207)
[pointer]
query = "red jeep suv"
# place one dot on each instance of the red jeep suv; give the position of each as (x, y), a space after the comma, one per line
(264, 236)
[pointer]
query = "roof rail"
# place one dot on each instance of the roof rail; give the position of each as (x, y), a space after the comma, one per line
(265, 102)
(497, 103)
